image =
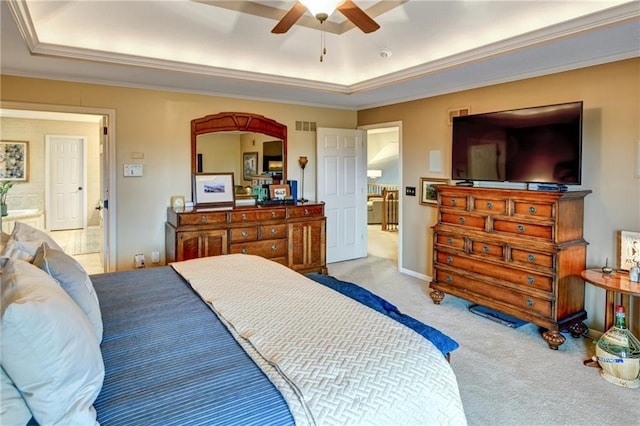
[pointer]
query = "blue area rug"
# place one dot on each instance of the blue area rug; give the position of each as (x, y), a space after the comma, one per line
(497, 316)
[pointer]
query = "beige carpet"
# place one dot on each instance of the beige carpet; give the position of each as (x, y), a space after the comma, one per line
(506, 376)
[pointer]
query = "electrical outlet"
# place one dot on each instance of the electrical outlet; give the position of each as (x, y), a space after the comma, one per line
(155, 257)
(410, 191)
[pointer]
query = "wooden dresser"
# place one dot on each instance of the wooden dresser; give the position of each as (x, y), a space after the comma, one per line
(293, 235)
(519, 252)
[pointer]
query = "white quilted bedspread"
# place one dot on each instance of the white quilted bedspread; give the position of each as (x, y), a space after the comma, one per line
(335, 360)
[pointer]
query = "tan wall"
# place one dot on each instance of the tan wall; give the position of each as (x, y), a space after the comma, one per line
(31, 194)
(157, 124)
(611, 95)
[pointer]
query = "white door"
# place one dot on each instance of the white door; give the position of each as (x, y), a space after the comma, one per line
(66, 181)
(342, 185)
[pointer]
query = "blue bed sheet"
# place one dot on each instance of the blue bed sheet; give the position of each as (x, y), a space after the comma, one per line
(169, 361)
(444, 343)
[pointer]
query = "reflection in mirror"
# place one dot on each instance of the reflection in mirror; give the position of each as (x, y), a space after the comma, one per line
(223, 151)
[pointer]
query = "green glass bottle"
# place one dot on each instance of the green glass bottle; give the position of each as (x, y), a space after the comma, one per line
(618, 353)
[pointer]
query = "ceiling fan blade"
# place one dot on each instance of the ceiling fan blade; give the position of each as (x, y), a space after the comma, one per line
(359, 18)
(290, 18)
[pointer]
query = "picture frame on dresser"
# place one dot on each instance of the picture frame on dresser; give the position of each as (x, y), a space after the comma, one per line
(213, 190)
(14, 160)
(428, 194)
(279, 192)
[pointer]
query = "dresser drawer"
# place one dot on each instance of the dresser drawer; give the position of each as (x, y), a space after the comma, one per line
(202, 218)
(477, 222)
(449, 240)
(271, 214)
(544, 260)
(264, 248)
(268, 232)
(243, 234)
(528, 208)
(490, 205)
(456, 202)
(524, 229)
(523, 302)
(489, 249)
(307, 211)
(520, 279)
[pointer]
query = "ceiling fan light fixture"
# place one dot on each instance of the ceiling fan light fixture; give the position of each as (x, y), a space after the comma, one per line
(321, 9)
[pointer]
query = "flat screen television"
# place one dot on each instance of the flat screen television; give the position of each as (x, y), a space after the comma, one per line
(541, 144)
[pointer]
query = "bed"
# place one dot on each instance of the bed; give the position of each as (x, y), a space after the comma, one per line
(233, 339)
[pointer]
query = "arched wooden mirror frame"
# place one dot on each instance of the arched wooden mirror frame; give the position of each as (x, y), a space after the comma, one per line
(238, 121)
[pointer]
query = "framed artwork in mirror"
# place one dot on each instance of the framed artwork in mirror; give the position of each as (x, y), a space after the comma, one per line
(428, 194)
(249, 165)
(14, 160)
(213, 190)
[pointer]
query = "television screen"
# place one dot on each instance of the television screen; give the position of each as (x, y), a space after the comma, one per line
(540, 144)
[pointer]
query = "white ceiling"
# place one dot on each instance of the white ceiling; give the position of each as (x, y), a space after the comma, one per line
(197, 46)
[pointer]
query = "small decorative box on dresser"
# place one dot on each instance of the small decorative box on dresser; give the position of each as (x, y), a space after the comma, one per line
(293, 235)
(517, 251)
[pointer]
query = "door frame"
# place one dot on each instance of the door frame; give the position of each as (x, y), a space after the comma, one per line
(401, 230)
(109, 164)
(47, 168)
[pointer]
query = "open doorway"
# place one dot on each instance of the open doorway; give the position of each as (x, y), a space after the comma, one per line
(89, 238)
(383, 191)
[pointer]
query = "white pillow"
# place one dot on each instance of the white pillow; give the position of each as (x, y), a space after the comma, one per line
(23, 232)
(24, 242)
(49, 348)
(74, 280)
(13, 410)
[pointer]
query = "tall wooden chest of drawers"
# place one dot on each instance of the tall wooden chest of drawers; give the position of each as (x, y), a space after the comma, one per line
(293, 235)
(517, 251)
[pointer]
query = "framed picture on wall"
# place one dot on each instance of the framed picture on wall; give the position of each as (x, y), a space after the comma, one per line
(14, 160)
(629, 249)
(213, 189)
(428, 193)
(249, 165)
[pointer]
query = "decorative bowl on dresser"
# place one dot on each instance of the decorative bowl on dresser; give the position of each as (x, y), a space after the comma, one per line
(519, 252)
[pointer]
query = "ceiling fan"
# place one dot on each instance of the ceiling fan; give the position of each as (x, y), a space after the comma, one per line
(322, 10)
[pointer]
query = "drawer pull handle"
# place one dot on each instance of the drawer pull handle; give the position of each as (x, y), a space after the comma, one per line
(449, 278)
(520, 228)
(532, 210)
(245, 234)
(449, 259)
(489, 205)
(485, 249)
(273, 214)
(462, 220)
(450, 240)
(531, 280)
(274, 247)
(530, 302)
(306, 212)
(203, 219)
(453, 202)
(244, 216)
(531, 258)
(274, 231)
(245, 251)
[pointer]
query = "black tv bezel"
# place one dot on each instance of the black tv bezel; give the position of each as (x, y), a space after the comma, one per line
(537, 107)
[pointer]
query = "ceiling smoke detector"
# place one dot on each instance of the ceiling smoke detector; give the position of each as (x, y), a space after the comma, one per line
(385, 53)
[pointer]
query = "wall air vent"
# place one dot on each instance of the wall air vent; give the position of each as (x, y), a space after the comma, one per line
(305, 126)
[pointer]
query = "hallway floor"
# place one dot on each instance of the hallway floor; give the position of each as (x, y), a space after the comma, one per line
(84, 245)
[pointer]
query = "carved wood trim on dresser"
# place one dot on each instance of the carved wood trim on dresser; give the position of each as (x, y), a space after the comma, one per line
(517, 251)
(293, 235)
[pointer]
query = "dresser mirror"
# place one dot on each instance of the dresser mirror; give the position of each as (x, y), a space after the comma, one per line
(242, 143)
